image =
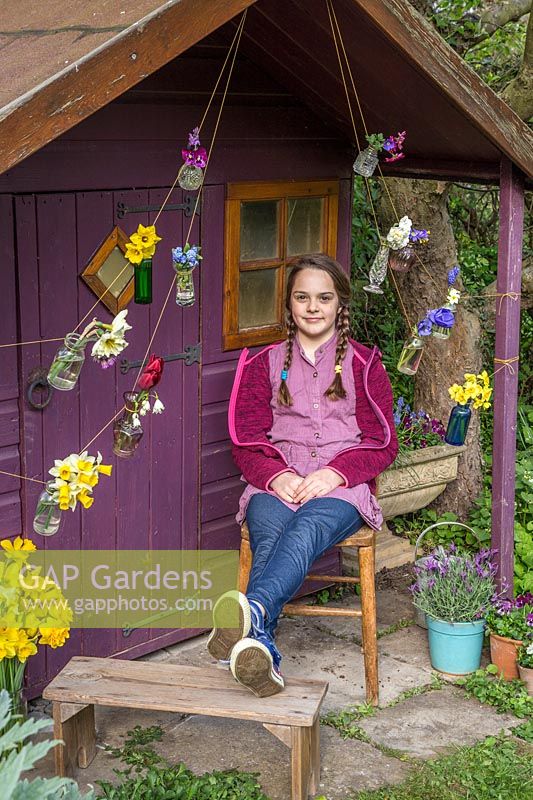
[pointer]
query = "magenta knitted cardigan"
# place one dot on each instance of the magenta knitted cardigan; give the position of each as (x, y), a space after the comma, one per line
(250, 420)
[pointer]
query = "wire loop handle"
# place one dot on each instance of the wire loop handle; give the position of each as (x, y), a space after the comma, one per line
(441, 524)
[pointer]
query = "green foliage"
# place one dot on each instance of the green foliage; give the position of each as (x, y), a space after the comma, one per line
(524, 731)
(488, 687)
(494, 769)
(18, 755)
(150, 777)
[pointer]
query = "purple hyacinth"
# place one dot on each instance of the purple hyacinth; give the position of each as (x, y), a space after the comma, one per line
(194, 138)
(452, 274)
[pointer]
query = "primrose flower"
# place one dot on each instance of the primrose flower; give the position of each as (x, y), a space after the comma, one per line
(453, 296)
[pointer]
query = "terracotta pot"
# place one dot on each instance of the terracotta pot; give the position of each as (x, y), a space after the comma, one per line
(503, 653)
(526, 675)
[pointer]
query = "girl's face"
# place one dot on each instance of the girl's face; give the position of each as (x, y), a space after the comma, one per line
(314, 304)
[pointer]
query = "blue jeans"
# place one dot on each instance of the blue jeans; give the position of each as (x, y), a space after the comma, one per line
(285, 543)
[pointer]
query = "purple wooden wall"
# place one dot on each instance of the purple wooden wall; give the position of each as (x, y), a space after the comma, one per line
(10, 500)
(65, 200)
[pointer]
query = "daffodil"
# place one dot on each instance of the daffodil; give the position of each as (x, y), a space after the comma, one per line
(61, 469)
(26, 647)
(134, 253)
(146, 237)
(85, 498)
(8, 642)
(54, 637)
(105, 469)
(17, 544)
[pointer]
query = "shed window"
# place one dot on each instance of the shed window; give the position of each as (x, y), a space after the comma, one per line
(268, 224)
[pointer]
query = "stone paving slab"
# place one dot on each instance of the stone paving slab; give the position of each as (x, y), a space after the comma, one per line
(430, 724)
(310, 652)
(205, 744)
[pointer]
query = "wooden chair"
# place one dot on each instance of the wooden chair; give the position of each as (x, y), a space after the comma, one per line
(364, 541)
(292, 715)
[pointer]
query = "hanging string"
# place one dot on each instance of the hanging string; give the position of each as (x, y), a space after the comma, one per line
(22, 477)
(165, 201)
(502, 295)
(506, 363)
(236, 42)
(333, 15)
(334, 31)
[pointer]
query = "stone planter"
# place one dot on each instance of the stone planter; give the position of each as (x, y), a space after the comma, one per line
(414, 480)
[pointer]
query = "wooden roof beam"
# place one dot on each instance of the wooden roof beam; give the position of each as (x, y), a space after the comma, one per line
(86, 85)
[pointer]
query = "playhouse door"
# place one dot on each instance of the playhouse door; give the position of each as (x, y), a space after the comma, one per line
(151, 500)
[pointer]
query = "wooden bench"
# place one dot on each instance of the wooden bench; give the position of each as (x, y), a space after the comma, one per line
(292, 715)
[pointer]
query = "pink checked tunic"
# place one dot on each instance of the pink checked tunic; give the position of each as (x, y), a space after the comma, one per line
(314, 429)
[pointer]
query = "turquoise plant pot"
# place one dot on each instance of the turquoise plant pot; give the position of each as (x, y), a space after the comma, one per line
(455, 647)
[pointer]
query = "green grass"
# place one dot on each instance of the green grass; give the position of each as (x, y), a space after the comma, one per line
(496, 769)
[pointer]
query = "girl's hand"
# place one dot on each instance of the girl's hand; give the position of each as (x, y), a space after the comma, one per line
(317, 484)
(286, 485)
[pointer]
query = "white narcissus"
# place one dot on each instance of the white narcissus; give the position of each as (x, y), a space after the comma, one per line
(398, 236)
(112, 342)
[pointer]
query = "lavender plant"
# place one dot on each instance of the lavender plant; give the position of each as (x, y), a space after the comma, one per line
(454, 586)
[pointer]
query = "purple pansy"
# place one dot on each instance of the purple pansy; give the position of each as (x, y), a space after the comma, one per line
(424, 327)
(442, 317)
(418, 235)
(195, 158)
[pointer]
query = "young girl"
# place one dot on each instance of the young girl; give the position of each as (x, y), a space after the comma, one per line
(311, 424)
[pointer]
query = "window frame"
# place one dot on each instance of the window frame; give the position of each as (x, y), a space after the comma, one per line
(283, 191)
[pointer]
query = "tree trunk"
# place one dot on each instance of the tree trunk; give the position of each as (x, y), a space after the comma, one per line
(444, 362)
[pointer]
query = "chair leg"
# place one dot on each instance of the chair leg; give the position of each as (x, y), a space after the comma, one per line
(369, 625)
(245, 565)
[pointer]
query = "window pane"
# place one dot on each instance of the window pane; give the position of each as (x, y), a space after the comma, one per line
(304, 229)
(258, 298)
(113, 266)
(259, 230)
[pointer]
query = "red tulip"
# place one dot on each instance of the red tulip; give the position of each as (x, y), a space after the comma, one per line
(151, 374)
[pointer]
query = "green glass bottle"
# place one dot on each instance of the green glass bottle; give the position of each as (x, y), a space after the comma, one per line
(143, 281)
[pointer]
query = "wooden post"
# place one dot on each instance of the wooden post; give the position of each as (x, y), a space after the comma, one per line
(506, 375)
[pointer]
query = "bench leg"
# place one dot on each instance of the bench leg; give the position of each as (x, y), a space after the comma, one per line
(74, 724)
(301, 762)
(369, 625)
(314, 781)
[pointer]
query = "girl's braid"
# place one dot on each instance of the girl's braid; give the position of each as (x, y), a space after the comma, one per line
(336, 390)
(284, 396)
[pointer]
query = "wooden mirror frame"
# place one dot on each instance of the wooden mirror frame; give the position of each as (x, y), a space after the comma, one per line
(117, 238)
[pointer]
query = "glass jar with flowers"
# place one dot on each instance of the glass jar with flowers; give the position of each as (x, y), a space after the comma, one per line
(190, 175)
(525, 665)
(475, 393)
(109, 341)
(454, 591)
(22, 631)
(127, 429)
(401, 260)
(510, 624)
(74, 480)
(184, 260)
(140, 250)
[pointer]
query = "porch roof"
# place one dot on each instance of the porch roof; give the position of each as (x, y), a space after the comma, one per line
(62, 63)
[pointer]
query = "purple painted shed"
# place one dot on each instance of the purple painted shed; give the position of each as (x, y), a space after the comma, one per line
(98, 120)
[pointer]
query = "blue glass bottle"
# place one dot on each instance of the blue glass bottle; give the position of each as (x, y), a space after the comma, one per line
(458, 425)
